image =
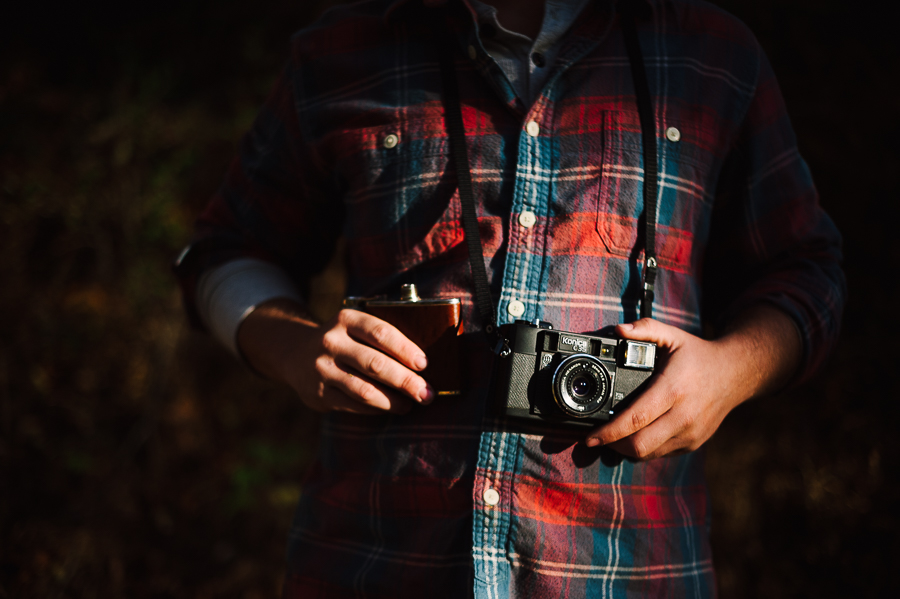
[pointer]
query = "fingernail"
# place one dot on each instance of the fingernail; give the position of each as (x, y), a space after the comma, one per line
(626, 326)
(421, 362)
(426, 394)
(592, 442)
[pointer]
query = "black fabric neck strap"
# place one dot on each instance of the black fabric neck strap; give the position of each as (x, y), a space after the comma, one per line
(460, 157)
(648, 139)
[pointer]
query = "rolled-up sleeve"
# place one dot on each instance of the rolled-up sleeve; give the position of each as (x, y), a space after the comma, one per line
(274, 204)
(771, 242)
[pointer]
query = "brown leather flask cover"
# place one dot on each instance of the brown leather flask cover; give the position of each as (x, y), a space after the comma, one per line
(434, 325)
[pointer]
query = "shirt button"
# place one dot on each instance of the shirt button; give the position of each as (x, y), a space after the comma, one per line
(516, 308)
(527, 219)
(491, 496)
(538, 59)
(473, 53)
(533, 128)
(673, 134)
(390, 141)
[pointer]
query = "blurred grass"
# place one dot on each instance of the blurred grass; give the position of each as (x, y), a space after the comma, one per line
(137, 459)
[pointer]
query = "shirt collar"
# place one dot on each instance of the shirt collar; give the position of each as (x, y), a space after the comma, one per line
(395, 9)
(399, 7)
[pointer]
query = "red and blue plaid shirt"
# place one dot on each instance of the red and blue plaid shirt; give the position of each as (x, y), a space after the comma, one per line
(446, 500)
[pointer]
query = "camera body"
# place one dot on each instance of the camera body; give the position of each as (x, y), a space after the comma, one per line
(568, 379)
(432, 324)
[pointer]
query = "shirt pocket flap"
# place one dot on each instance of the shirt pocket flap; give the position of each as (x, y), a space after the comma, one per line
(684, 202)
(401, 205)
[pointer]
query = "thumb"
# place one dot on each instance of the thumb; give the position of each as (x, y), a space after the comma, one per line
(647, 329)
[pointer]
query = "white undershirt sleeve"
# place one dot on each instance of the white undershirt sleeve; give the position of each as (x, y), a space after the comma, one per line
(228, 293)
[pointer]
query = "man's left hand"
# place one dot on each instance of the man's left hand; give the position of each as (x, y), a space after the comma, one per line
(697, 382)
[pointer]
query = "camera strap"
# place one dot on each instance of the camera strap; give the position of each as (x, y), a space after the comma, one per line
(648, 143)
(460, 158)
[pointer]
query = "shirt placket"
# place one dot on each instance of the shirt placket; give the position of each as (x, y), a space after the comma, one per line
(499, 454)
(499, 451)
(491, 524)
(528, 219)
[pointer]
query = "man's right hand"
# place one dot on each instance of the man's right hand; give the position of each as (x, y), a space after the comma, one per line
(354, 363)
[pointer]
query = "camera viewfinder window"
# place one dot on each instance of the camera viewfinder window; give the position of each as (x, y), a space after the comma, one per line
(640, 355)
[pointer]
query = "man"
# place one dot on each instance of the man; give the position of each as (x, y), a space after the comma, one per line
(413, 495)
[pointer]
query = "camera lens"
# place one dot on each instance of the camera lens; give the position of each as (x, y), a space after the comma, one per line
(581, 385)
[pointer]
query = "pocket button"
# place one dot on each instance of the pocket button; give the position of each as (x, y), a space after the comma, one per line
(391, 141)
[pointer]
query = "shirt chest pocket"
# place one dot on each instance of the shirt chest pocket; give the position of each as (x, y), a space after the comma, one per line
(684, 198)
(399, 199)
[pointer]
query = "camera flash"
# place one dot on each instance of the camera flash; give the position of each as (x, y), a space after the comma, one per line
(640, 355)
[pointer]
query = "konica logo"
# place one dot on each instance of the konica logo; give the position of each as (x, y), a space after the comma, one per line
(576, 343)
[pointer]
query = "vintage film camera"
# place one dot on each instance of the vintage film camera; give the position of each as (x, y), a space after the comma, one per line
(567, 378)
(433, 324)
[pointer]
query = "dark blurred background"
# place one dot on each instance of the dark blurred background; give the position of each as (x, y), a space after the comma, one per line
(137, 459)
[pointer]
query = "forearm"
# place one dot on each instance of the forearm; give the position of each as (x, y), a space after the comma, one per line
(268, 337)
(761, 349)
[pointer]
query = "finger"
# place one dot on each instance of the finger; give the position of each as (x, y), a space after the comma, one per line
(383, 336)
(652, 404)
(335, 400)
(384, 370)
(648, 443)
(364, 391)
(648, 329)
(672, 447)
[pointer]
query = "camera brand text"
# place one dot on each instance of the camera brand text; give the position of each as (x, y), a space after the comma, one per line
(578, 344)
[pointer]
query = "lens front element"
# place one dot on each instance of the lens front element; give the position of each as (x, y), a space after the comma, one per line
(581, 385)
(583, 388)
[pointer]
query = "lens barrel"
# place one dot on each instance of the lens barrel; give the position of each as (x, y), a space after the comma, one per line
(581, 385)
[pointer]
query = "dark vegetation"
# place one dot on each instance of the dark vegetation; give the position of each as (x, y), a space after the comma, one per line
(138, 460)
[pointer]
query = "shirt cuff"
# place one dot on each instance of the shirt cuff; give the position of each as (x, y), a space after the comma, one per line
(228, 293)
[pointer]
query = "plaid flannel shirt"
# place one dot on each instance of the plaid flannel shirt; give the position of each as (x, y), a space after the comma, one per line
(446, 501)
